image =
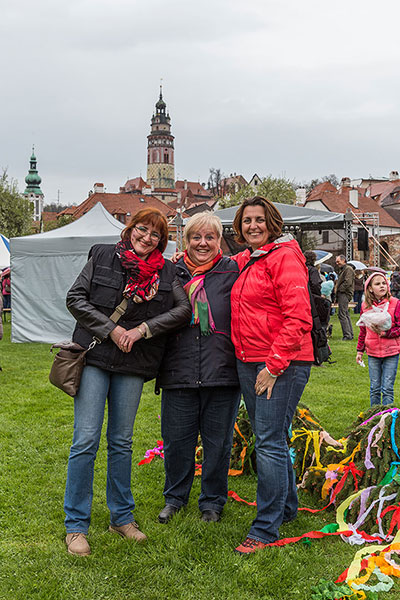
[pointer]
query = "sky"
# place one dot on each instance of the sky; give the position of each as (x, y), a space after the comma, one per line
(273, 87)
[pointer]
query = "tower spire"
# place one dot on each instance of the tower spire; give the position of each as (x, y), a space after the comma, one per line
(160, 148)
(32, 190)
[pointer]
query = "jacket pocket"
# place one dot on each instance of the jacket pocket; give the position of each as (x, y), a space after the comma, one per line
(105, 287)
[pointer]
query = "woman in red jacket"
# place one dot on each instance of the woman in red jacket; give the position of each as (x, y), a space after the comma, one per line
(271, 325)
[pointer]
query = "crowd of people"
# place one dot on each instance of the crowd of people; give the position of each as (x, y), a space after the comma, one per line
(210, 330)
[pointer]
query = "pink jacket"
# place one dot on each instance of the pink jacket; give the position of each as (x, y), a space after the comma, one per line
(387, 345)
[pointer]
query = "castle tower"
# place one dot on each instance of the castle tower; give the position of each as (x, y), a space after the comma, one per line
(160, 149)
(33, 191)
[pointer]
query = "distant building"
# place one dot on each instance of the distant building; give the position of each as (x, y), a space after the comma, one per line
(160, 149)
(32, 191)
(368, 217)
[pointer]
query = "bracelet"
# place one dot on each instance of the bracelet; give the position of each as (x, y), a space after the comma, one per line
(269, 372)
(142, 333)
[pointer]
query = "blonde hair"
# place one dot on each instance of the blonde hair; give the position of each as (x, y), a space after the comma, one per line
(199, 220)
(369, 297)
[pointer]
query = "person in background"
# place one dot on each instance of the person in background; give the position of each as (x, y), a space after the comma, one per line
(313, 273)
(395, 284)
(129, 354)
(6, 288)
(344, 294)
(198, 376)
(358, 290)
(382, 347)
(271, 332)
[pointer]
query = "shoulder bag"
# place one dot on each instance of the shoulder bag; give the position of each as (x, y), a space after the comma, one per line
(67, 367)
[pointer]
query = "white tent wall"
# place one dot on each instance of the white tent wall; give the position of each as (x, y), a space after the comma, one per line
(43, 268)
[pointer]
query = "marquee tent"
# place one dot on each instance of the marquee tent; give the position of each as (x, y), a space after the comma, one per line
(4, 252)
(45, 265)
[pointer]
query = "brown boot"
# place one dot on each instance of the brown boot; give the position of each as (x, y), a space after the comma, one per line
(77, 544)
(130, 531)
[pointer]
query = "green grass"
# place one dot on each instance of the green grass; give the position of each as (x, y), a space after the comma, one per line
(186, 559)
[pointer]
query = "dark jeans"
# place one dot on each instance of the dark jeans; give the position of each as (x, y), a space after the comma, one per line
(344, 317)
(210, 411)
(270, 420)
(358, 294)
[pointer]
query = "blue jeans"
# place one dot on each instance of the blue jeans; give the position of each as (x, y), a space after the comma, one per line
(123, 393)
(184, 413)
(270, 420)
(382, 373)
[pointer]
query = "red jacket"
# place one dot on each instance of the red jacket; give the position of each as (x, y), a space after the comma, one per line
(271, 314)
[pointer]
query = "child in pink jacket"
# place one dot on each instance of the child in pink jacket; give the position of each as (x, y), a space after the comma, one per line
(382, 347)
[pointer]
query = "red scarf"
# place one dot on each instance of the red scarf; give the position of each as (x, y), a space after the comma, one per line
(143, 275)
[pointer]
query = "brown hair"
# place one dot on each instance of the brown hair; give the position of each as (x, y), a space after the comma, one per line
(273, 218)
(148, 216)
(369, 297)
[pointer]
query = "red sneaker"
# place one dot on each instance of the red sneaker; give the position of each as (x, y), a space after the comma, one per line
(249, 546)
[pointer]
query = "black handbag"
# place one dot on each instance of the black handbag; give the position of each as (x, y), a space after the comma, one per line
(67, 367)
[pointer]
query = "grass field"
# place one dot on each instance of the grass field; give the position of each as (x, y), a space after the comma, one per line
(186, 559)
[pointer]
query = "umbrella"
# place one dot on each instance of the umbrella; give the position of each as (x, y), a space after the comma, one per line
(5, 272)
(322, 256)
(358, 265)
(325, 268)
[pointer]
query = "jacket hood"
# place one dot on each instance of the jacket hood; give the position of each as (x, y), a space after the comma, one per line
(286, 240)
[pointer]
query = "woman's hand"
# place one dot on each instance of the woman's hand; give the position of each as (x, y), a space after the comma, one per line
(116, 333)
(128, 338)
(264, 383)
(176, 256)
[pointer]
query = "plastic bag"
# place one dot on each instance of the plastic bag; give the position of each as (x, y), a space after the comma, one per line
(377, 316)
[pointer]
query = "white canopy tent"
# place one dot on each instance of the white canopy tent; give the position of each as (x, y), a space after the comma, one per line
(43, 268)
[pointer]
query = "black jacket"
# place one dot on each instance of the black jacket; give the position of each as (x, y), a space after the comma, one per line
(93, 298)
(193, 360)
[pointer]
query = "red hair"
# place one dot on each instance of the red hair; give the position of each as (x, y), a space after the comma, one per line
(149, 216)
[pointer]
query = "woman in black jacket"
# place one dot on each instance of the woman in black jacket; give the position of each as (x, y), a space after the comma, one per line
(126, 355)
(198, 376)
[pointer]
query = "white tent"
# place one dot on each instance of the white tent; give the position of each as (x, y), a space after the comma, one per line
(43, 268)
(4, 252)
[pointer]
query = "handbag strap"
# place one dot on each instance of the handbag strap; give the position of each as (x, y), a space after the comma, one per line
(119, 310)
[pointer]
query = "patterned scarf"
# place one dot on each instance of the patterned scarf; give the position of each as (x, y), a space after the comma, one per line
(201, 311)
(143, 275)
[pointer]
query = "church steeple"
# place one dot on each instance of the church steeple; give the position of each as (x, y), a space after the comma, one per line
(160, 148)
(32, 190)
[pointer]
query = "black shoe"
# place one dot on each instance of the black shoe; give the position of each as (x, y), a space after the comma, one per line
(167, 513)
(210, 515)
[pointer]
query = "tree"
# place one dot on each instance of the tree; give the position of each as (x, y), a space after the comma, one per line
(310, 185)
(215, 182)
(276, 189)
(60, 222)
(16, 212)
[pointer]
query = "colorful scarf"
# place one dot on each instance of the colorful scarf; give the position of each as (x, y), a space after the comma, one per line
(195, 290)
(143, 275)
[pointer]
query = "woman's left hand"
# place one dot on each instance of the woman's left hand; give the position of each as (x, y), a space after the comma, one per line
(128, 338)
(264, 383)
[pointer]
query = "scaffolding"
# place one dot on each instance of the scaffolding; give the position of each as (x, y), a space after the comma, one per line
(370, 222)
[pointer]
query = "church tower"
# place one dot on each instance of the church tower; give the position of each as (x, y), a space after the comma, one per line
(33, 191)
(160, 149)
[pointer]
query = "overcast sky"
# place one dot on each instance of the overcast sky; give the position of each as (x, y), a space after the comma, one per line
(281, 87)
